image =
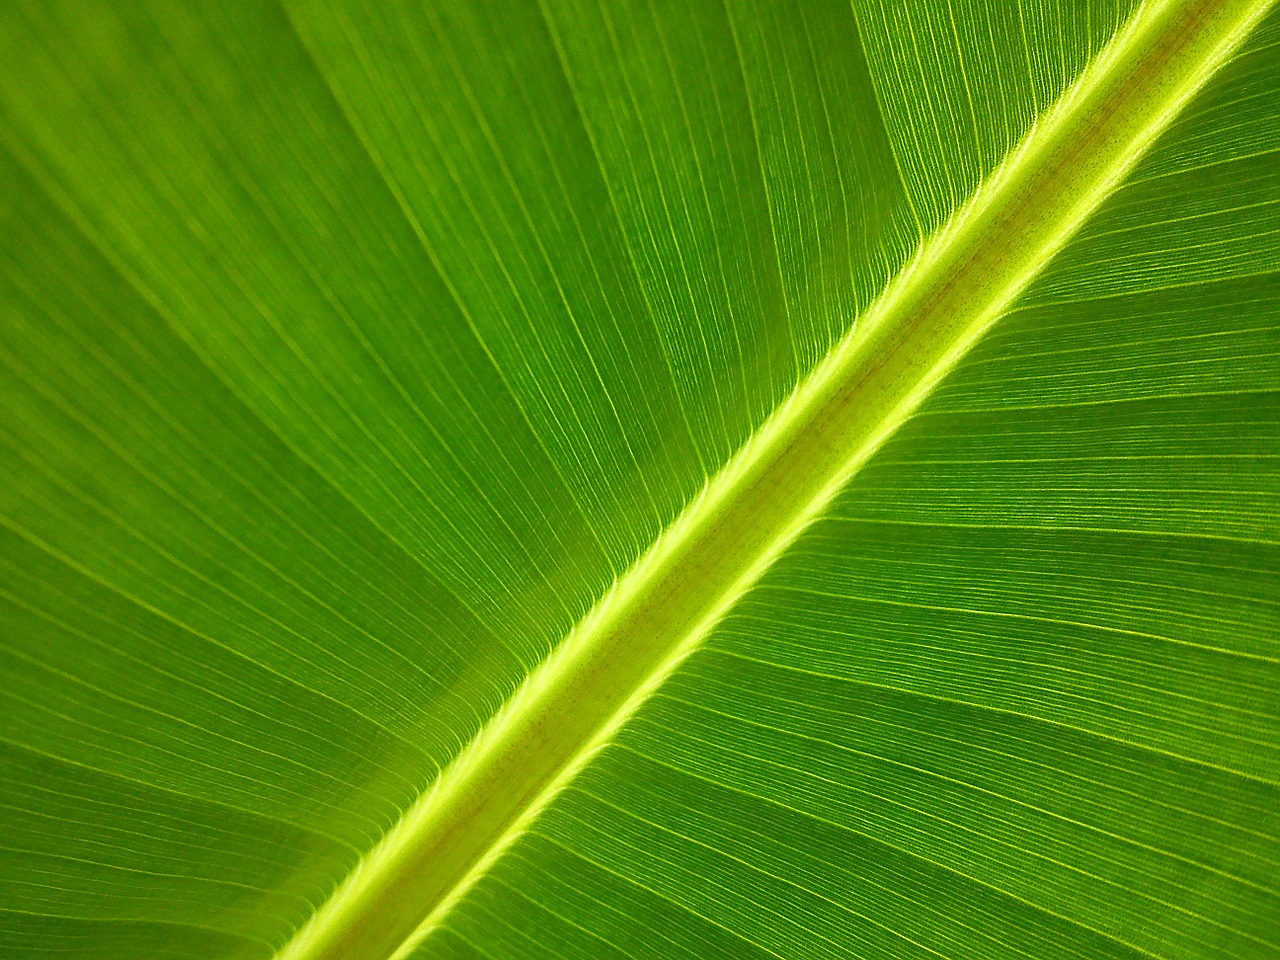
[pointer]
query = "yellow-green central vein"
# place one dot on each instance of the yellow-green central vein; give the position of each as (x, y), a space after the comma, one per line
(958, 284)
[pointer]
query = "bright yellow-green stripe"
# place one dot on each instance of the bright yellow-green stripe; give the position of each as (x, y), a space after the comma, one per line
(958, 284)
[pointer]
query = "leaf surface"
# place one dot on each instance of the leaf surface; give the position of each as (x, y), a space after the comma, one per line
(351, 352)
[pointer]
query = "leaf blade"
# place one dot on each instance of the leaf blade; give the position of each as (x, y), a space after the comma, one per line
(214, 561)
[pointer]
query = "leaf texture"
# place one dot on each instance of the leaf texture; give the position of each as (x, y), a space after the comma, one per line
(350, 352)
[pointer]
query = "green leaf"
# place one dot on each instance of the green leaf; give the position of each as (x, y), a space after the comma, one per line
(575, 479)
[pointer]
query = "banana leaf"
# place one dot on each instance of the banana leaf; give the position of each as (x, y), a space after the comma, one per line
(639, 479)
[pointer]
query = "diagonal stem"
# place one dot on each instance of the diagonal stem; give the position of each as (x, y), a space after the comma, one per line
(959, 283)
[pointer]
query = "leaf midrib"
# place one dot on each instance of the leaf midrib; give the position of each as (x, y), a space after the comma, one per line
(961, 280)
